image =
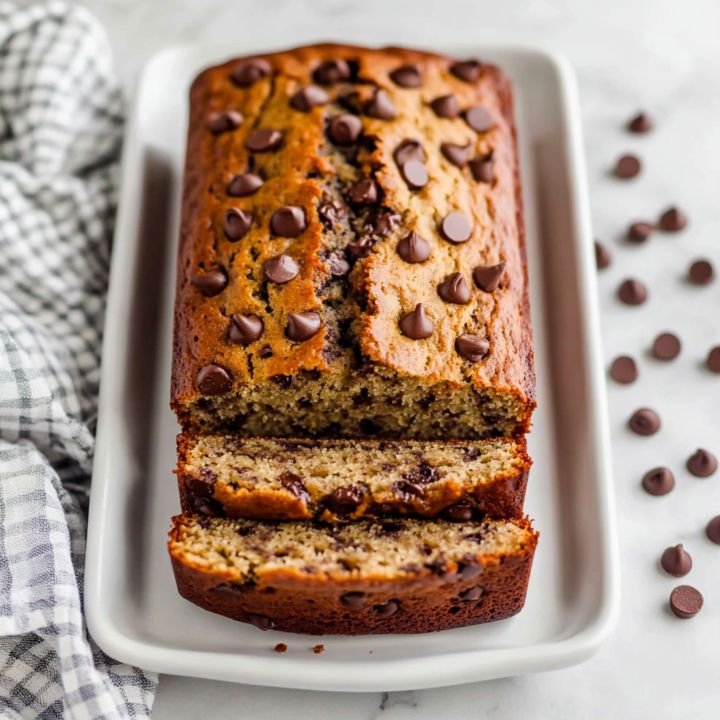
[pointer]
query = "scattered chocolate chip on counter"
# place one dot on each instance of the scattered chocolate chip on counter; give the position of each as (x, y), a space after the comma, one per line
(673, 220)
(280, 648)
(640, 123)
(666, 346)
(624, 370)
(644, 422)
(685, 601)
(702, 463)
(712, 361)
(713, 530)
(632, 292)
(318, 649)
(603, 258)
(639, 232)
(701, 272)
(676, 561)
(627, 167)
(658, 481)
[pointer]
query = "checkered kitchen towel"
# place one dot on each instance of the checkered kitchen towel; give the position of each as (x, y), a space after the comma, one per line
(60, 132)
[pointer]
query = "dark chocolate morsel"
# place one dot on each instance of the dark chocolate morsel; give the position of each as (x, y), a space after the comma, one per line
(345, 499)
(338, 264)
(387, 609)
(221, 122)
(363, 192)
(250, 71)
(712, 530)
(479, 119)
(455, 228)
(702, 463)
(676, 561)
(712, 362)
(210, 283)
(288, 221)
(353, 600)
(603, 258)
(673, 220)
(263, 140)
(331, 71)
(473, 593)
(624, 370)
(261, 621)
(641, 123)
(701, 272)
(685, 601)
(658, 481)
(458, 155)
(416, 324)
(413, 248)
(415, 174)
(236, 223)
(294, 485)
(344, 129)
(302, 326)
(632, 292)
(407, 76)
(472, 347)
(644, 422)
(468, 70)
(409, 150)
(482, 168)
(454, 289)
(244, 184)
(666, 346)
(380, 106)
(213, 380)
(308, 97)
(280, 269)
(445, 106)
(640, 231)
(488, 277)
(245, 329)
(627, 167)
(460, 512)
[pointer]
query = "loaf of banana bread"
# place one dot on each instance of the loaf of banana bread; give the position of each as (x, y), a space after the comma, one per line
(341, 480)
(352, 258)
(399, 576)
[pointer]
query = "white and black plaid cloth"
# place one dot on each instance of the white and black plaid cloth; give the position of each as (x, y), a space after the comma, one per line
(61, 116)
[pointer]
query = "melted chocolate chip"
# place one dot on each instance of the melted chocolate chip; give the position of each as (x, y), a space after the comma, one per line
(460, 512)
(382, 221)
(386, 609)
(454, 289)
(280, 269)
(455, 228)
(344, 129)
(345, 499)
(338, 264)
(211, 282)
(244, 184)
(331, 71)
(482, 168)
(213, 380)
(263, 140)
(487, 277)
(302, 326)
(363, 192)
(245, 329)
(423, 473)
(416, 324)
(221, 122)
(407, 76)
(479, 119)
(353, 600)
(261, 621)
(702, 463)
(468, 70)
(331, 212)
(413, 248)
(360, 248)
(408, 490)
(250, 71)
(380, 106)
(409, 150)
(445, 106)
(472, 347)
(308, 97)
(288, 221)
(415, 174)
(236, 223)
(294, 484)
(458, 155)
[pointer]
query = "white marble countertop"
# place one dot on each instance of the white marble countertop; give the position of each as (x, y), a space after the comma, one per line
(663, 56)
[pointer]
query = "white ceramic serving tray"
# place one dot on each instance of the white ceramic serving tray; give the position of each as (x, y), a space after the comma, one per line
(133, 609)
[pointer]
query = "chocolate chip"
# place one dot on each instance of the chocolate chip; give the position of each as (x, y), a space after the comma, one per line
(676, 561)
(387, 609)
(603, 258)
(632, 292)
(280, 648)
(445, 106)
(468, 70)
(473, 593)
(221, 122)
(408, 489)
(644, 422)
(288, 221)
(338, 264)
(244, 184)
(302, 326)
(702, 463)
(380, 106)
(210, 283)
(488, 277)
(236, 224)
(472, 347)
(318, 649)
(409, 150)
(382, 221)
(423, 473)
(345, 499)
(627, 166)
(261, 621)
(331, 71)
(245, 329)
(407, 76)
(454, 289)
(624, 370)
(363, 192)
(308, 97)
(658, 481)
(458, 155)
(701, 272)
(673, 220)
(265, 352)
(712, 361)
(263, 140)
(213, 380)
(331, 212)
(250, 71)
(416, 324)
(460, 512)
(353, 600)
(713, 530)
(482, 168)
(294, 485)
(280, 269)
(415, 174)
(455, 228)
(470, 569)
(479, 119)
(686, 601)
(666, 346)
(639, 232)
(360, 248)
(641, 123)
(413, 248)
(230, 589)
(344, 129)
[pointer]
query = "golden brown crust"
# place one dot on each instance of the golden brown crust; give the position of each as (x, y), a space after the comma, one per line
(383, 286)
(427, 601)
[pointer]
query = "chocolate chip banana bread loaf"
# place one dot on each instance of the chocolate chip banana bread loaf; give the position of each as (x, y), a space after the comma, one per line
(401, 576)
(352, 258)
(341, 480)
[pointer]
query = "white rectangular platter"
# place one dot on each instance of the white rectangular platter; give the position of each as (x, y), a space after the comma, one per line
(133, 609)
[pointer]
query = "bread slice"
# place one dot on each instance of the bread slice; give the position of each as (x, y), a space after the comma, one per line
(399, 576)
(337, 480)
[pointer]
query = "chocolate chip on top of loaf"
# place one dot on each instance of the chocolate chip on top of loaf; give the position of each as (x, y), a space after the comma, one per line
(352, 228)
